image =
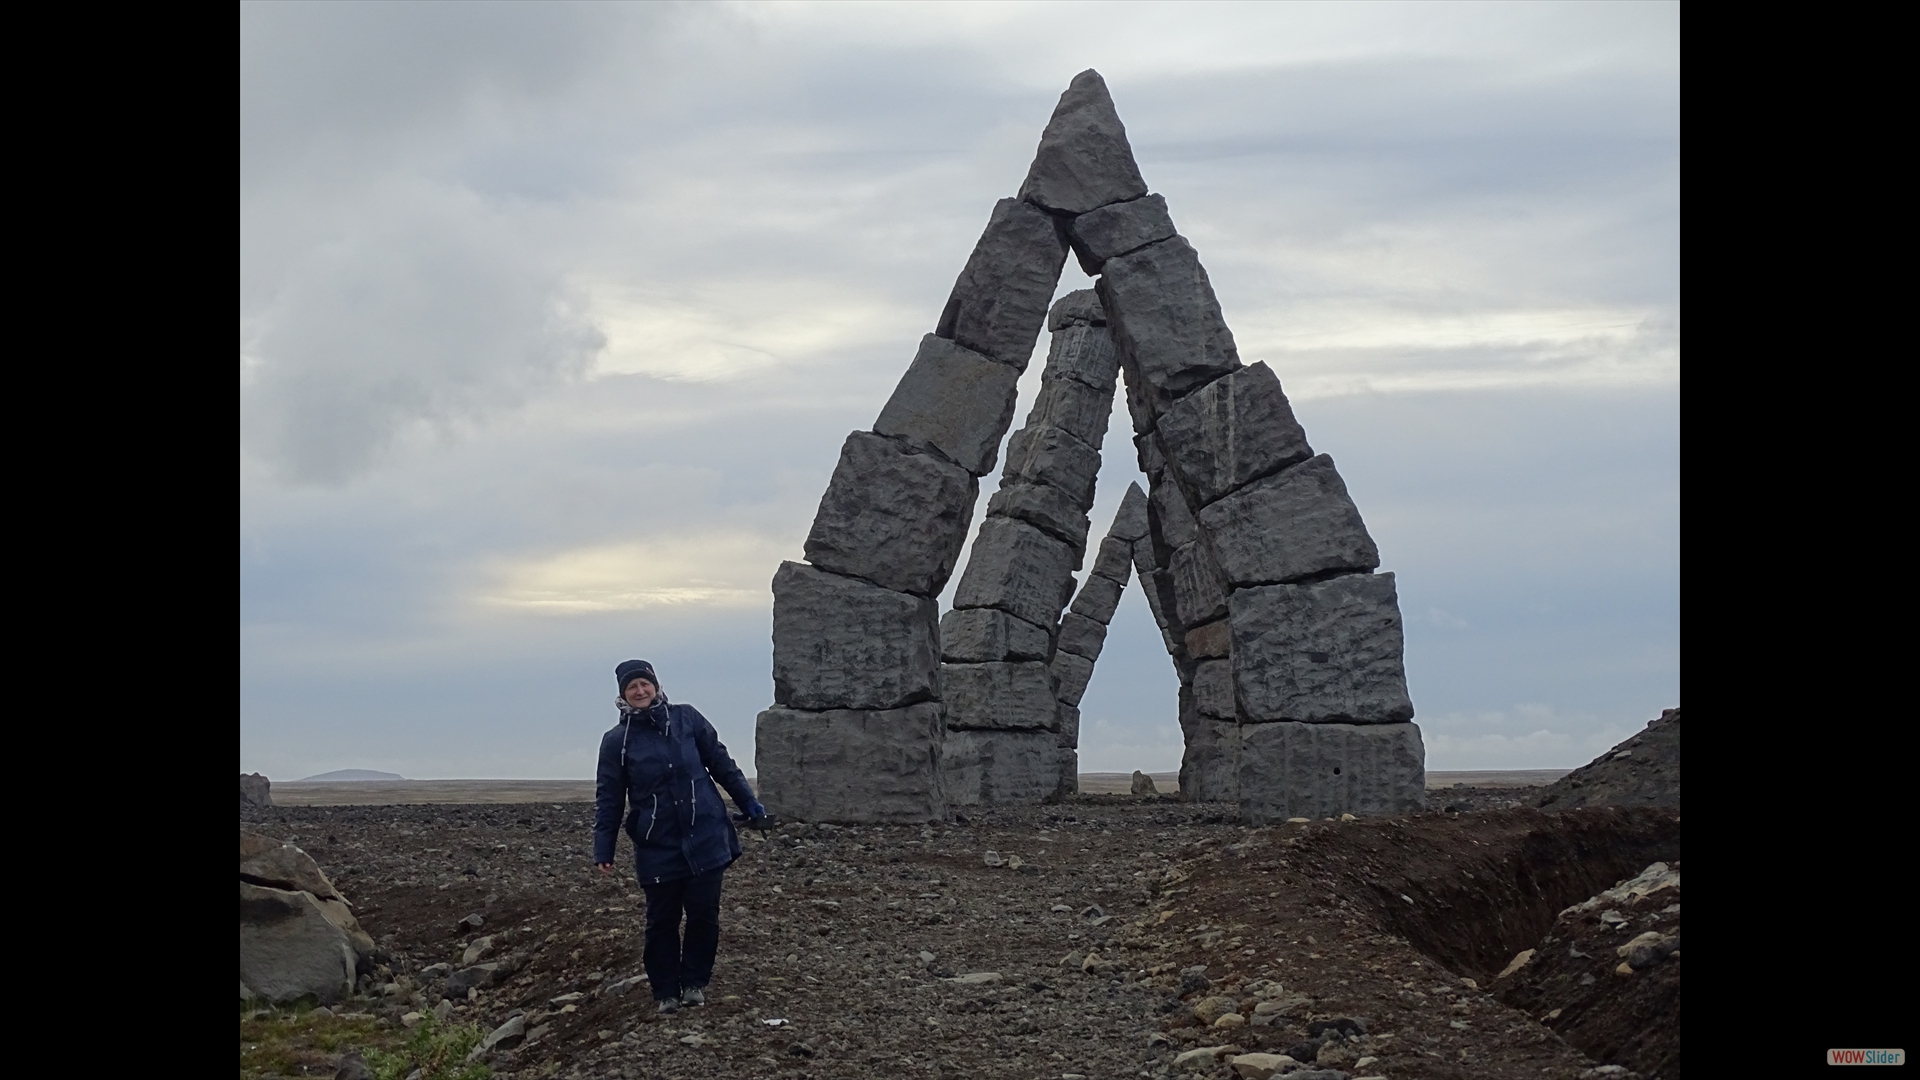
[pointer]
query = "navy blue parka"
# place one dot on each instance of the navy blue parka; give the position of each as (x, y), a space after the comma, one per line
(657, 769)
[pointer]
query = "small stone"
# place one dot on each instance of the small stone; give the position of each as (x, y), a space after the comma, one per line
(476, 951)
(1258, 1066)
(472, 922)
(506, 1035)
(1204, 1055)
(1230, 1020)
(1143, 784)
(412, 1018)
(695, 1040)
(993, 858)
(353, 1067)
(976, 978)
(443, 1010)
(1519, 961)
(1073, 959)
(1624, 969)
(567, 998)
(1213, 1008)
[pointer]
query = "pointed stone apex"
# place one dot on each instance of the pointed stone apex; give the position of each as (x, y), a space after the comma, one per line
(1084, 161)
(1130, 523)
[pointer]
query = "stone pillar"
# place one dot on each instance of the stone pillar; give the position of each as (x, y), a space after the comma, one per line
(1083, 630)
(856, 733)
(1003, 680)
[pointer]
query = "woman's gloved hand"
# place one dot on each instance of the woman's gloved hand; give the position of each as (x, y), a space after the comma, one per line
(755, 817)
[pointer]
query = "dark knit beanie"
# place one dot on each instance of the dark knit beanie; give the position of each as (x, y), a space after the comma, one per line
(635, 669)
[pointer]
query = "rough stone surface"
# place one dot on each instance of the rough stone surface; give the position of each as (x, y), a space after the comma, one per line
(840, 643)
(1166, 324)
(1115, 229)
(1130, 521)
(984, 635)
(289, 949)
(1325, 770)
(1229, 432)
(1069, 733)
(1323, 652)
(1146, 449)
(1172, 525)
(1008, 696)
(893, 517)
(278, 865)
(1200, 595)
(255, 790)
(1215, 639)
(954, 402)
(1210, 762)
(1016, 568)
(1048, 455)
(1000, 300)
(1072, 406)
(1071, 672)
(1067, 765)
(1000, 768)
(1046, 508)
(1084, 354)
(1081, 307)
(1289, 526)
(1081, 636)
(851, 765)
(1098, 598)
(1213, 689)
(1143, 784)
(1084, 160)
(1115, 559)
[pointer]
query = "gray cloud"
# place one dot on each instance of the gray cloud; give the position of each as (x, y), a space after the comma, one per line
(555, 309)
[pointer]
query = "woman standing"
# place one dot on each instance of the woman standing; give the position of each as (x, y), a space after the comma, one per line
(658, 769)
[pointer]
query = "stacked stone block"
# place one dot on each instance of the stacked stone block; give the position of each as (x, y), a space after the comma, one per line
(856, 732)
(1083, 630)
(1002, 677)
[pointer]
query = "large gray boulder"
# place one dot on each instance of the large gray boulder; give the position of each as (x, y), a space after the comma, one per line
(1213, 689)
(1046, 508)
(1292, 525)
(1171, 524)
(1000, 768)
(1018, 569)
(1098, 598)
(1081, 307)
(1210, 761)
(1229, 432)
(1199, 591)
(1084, 160)
(1167, 325)
(1114, 561)
(1081, 636)
(851, 765)
(290, 949)
(1048, 455)
(841, 643)
(1119, 228)
(984, 635)
(1071, 673)
(275, 864)
(1321, 652)
(1325, 770)
(953, 402)
(892, 516)
(1000, 300)
(1074, 407)
(255, 790)
(1013, 696)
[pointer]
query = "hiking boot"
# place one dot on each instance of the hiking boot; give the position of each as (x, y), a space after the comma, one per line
(667, 1006)
(692, 995)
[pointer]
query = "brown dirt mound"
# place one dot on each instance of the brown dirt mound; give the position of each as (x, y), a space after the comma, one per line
(1380, 920)
(1607, 977)
(1642, 771)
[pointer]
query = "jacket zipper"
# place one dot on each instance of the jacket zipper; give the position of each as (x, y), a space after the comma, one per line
(654, 820)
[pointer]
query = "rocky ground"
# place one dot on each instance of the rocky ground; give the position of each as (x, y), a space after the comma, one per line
(1117, 936)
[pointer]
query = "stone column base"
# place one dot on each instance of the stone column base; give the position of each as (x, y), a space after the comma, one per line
(851, 766)
(1000, 768)
(1325, 770)
(1209, 767)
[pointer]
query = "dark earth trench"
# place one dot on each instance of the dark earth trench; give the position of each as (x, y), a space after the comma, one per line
(1115, 934)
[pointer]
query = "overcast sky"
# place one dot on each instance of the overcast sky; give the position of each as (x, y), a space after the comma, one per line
(553, 318)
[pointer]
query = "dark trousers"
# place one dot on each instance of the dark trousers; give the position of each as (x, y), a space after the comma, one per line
(672, 967)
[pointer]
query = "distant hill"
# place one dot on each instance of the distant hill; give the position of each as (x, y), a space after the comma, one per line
(340, 775)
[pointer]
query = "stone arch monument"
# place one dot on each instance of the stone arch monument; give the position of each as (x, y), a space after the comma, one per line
(1259, 570)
